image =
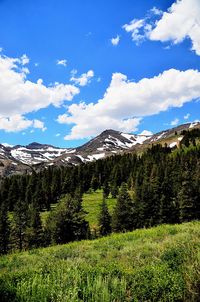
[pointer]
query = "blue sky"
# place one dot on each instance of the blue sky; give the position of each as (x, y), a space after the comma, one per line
(100, 53)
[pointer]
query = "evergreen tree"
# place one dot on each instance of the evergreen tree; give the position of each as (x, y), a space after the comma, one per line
(169, 209)
(114, 190)
(106, 189)
(19, 225)
(67, 222)
(123, 215)
(34, 231)
(187, 198)
(4, 229)
(104, 220)
(94, 183)
(13, 193)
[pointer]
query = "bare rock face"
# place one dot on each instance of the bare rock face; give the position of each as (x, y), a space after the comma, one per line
(23, 159)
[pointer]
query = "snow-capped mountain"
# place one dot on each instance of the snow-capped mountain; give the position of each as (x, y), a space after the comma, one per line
(22, 159)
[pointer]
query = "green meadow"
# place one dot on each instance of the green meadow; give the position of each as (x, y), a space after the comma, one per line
(91, 204)
(157, 264)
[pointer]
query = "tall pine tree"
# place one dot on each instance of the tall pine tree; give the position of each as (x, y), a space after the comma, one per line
(123, 215)
(104, 220)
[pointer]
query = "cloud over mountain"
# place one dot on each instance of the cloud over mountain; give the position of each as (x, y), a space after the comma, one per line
(19, 96)
(126, 102)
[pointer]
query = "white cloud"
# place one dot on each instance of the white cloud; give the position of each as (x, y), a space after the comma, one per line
(19, 96)
(18, 123)
(125, 103)
(39, 125)
(15, 123)
(134, 28)
(62, 62)
(24, 59)
(73, 72)
(84, 79)
(186, 117)
(57, 134)
(174, 122)
(115, 41)
(181, 21)
(156, 11)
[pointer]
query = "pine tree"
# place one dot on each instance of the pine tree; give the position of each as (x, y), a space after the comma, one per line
(34, 231)
(94, 183)
(4, 229)
(169, 209)
(13, 193)
(19, 225)
(106, 189)
(123, 215)
(114, 190)
(104, 220)
(67, 222)
(187, 198)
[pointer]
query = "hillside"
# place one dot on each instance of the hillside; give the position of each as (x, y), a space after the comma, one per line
(158, 264)
(24, 159)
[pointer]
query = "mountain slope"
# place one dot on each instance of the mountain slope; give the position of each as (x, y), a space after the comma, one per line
(157, 264)
(21, 159)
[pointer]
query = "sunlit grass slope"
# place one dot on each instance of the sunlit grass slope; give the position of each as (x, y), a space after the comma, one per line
(158, 264)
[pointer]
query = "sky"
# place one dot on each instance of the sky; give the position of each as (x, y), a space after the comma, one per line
(71, 69)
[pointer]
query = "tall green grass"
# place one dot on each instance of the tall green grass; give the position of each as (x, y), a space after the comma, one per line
(158, 264)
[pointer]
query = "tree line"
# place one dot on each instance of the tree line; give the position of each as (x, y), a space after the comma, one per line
(164, 186)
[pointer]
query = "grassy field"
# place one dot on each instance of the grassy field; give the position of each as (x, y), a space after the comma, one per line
(158, 264)
(91, 204)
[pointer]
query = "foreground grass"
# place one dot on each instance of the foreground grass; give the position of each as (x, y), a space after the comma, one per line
(158, 264)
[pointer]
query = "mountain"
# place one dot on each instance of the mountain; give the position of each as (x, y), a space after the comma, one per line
(23, 159)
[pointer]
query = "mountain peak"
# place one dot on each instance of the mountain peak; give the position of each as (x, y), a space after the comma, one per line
(35, 145)
(109, 132)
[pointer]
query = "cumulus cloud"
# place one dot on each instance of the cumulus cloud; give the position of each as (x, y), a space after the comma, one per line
(115, 41)
(18, 123)
(19, 96)
(39, 125)
(182, 20)
(140, 29)
(134, 28)
(125, 103)
(174, 122)
(84, 79)
(62, 62)
(15, 123)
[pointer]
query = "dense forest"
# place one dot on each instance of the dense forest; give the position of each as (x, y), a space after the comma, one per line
(159, 186)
